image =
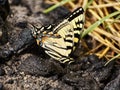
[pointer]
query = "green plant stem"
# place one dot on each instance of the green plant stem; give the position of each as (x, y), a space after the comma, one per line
(112, 59)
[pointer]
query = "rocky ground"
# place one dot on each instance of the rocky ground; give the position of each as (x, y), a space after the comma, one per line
(25, 66)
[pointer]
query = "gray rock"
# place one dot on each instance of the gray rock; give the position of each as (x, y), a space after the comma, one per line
(36, 66)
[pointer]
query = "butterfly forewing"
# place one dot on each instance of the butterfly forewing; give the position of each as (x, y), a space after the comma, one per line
(71, 28)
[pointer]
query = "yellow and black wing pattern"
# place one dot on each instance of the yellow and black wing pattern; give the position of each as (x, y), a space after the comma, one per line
(59, 42)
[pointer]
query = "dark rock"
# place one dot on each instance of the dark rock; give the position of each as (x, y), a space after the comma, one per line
(20, 43)
(96, 67)
(2, 72)
(114, 84)
(81, 81)
(24, 40)
(5, 54)
(10, 81)
(4, 31)
(21, 24)
(1, 86)
(72, 67)
(93, 67)
(89, 61)
(115, 72)
(101, 72)
(37, 66)
(4, 9)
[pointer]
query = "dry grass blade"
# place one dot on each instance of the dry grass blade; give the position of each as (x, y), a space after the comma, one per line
(109, 32)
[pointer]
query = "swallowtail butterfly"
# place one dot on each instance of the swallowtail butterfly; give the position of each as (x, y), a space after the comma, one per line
(59, 42)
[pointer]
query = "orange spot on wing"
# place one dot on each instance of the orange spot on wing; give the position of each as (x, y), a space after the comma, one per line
(44, 38)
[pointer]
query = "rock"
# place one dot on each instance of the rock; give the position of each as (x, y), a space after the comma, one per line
(20, 43)
(5, 54)
(2, 72)
(89, 71)
(81, 81)
(114, 84)
(3, 33)
(36, 66)
(24, 40)
(96, 67)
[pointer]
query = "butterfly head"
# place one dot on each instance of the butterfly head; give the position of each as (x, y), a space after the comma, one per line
(40, 34)
(37, 33)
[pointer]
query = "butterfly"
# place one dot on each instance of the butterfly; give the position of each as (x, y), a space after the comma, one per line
(61, 41)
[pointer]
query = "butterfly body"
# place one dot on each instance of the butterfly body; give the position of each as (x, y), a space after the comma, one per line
(61, 41)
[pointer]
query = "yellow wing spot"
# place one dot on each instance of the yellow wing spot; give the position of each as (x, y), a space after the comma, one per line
(76, 40)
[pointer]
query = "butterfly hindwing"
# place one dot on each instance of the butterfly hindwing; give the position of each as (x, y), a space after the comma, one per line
(76, 19)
